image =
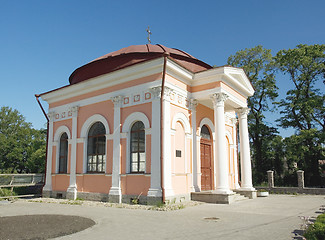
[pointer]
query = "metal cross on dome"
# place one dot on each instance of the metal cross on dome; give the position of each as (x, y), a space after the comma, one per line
(149, 33)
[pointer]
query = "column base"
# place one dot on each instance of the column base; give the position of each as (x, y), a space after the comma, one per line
(47, 187)
(46, 193)
(169, 192)
(223, 191)
(195, 189)
(72, 192)
(154, 192)
(115, 195)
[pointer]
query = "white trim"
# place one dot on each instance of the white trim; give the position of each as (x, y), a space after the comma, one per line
(57, 136)
(84, 136)
(230, 138)
(209, 123)
(126, 131)
(181, 117)
(60, 131)
(128, 74)
(90, 121)
(134, 117)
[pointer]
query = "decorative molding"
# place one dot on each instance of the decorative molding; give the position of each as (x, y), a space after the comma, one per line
(181, 117)
(219, 99)
(193, 104)
(117, 100)
(242, 112)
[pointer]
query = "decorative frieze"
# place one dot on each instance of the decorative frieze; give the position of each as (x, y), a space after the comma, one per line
(64, 114)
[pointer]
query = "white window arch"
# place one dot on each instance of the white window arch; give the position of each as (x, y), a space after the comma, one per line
(129, 122)
(57, 136)
(84, 135)
(181, 117)
(207, 122)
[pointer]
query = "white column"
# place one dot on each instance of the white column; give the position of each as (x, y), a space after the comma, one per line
(245, 158)
(195, 186)
(116, 180)
(222, 168)
(234, 123)
(48, 180)
(167, 163)
(155, 178)
(72, 189)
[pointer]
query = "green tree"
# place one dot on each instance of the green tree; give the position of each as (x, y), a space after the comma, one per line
(258, 64)
(21, 145)
(303, 108)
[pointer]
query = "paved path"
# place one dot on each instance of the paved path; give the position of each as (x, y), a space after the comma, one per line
(274, 217)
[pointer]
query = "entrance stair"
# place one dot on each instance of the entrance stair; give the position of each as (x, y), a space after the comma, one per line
(213, 197)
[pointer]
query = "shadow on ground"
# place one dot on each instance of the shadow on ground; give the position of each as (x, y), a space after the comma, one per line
(41, 226)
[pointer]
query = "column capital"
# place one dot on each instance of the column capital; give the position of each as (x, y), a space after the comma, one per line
(242, 112)
(219, 99)
(234, 121)
(193, 104)
(74, 110)
(117, 100)
(156, 91)
(51, 116)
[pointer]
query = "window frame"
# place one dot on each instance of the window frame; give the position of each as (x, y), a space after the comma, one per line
(63, 163)
(138, 151)
(96, 155)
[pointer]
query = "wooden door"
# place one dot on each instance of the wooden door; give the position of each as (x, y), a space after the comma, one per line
(206, 166)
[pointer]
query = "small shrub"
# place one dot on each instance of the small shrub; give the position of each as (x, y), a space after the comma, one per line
(4, 192)
(317, 230)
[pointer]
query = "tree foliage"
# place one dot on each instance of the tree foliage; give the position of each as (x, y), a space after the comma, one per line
(303, 108)
(258, 64)
(22, 148)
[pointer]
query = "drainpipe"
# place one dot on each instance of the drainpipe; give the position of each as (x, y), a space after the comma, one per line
(165, 54)
(47, 134)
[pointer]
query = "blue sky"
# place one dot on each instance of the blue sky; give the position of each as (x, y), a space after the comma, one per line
(43, 42)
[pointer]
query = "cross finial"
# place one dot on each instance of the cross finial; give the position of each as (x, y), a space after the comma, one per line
(149, 33)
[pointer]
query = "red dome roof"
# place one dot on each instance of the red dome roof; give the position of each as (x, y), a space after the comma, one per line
(132, 55)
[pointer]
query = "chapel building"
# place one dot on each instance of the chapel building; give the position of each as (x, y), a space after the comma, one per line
(152, 123)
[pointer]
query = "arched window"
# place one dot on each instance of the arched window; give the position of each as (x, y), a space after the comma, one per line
(205, 133)
(96, 148)
(138, 151)
(63, 153)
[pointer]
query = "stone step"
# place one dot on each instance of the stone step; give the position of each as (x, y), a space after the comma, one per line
(213, 197)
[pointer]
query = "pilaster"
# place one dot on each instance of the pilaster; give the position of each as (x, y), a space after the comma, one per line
(115, 194)
(195, 186)
(48, 181)
(166, 145)
(72, 189)
(155, 192)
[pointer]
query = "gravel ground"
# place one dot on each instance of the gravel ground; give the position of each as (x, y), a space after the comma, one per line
(41, 226)
(167, 207)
